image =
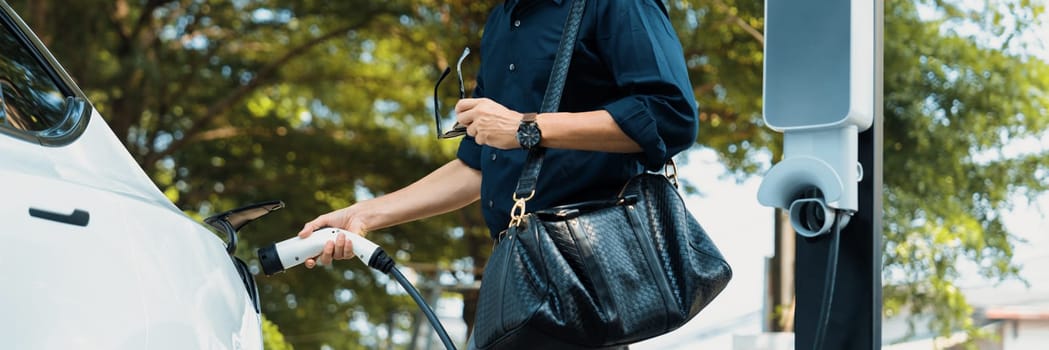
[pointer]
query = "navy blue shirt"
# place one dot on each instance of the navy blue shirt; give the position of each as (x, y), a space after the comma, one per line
(628, 61)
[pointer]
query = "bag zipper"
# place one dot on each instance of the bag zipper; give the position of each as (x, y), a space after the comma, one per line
(655, 267)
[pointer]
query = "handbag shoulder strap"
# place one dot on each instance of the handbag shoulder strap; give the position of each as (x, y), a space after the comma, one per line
(556, 85)
(551, 102)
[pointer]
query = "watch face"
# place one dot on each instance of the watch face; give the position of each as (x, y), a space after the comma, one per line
(528, 135)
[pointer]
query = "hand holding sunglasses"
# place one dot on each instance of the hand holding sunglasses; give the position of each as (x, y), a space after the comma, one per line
(456, 129)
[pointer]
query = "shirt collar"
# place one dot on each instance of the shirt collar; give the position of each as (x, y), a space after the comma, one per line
(509, 4)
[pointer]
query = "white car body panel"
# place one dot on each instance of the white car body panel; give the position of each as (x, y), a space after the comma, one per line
(138, 276)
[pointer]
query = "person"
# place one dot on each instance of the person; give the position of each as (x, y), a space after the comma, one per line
(627, 107)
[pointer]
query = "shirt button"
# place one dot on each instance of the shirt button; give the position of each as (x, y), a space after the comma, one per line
(513, 67)
(491, 204)
(517, 23)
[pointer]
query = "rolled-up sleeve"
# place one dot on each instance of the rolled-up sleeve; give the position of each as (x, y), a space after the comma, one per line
(469, 152)
(645, 57)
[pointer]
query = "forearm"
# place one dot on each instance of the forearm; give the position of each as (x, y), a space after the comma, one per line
(448, 188)
(588, 131)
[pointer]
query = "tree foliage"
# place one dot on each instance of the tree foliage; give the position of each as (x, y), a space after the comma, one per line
(322, 103)
(272, 338)
(953, 104)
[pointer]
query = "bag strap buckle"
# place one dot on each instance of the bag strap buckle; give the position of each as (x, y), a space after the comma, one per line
(670, 171)
(517, 213)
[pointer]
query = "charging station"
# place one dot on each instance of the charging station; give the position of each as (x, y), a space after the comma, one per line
(823, 91)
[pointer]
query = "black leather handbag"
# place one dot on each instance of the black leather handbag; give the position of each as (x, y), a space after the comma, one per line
(596, 274)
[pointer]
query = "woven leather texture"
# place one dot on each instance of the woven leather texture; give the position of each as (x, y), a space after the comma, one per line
(604, 278)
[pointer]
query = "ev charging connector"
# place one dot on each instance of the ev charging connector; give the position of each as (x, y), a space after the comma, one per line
(817, 179)
(819, 92)
(293, 251)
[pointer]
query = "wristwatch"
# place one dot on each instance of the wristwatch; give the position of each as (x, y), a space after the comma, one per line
(528, 134)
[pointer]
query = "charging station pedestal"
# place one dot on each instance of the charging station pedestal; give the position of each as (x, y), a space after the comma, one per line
(823, 90)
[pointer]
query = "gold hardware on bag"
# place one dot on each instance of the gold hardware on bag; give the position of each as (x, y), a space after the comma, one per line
(517, 213)
(670, 171)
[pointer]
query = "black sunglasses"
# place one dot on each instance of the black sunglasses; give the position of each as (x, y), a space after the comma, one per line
(457, 129)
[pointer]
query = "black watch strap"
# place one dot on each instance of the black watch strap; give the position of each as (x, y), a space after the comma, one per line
(528, 117)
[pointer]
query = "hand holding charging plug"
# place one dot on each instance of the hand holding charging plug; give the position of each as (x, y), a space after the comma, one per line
(349, 219)
(339, 247)
(283, 255)
(297, 250)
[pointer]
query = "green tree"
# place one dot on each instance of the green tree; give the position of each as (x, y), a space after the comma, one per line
(952, 104)
(272, 339)
(322, 103)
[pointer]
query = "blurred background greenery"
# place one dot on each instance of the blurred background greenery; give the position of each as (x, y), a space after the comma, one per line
(323, 103)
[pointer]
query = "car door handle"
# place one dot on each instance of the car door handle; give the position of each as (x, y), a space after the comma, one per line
(78, 217)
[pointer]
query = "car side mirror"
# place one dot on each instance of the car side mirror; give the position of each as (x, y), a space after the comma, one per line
(232, 221)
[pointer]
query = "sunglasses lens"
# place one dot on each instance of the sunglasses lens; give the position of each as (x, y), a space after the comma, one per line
(447, 96)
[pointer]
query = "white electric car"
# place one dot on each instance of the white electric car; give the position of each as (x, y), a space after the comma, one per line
(92, 254)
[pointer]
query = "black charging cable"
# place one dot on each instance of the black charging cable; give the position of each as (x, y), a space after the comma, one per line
(382, 262)
(828, 283)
